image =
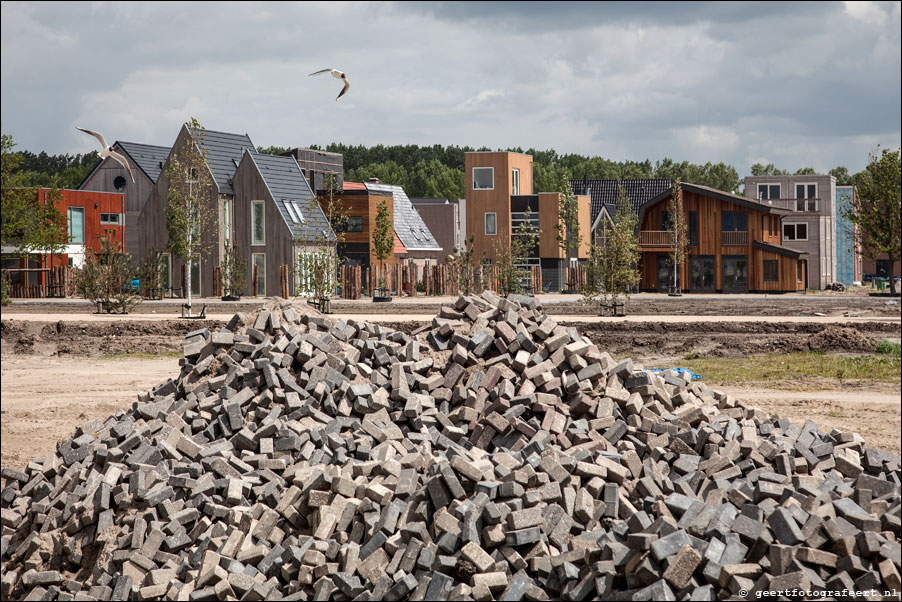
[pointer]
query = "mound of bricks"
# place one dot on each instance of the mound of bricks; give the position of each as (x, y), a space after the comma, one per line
(491, 455)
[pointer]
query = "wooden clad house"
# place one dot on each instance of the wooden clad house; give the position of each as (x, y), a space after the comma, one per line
(109, 176)
(254, 197)
(499, 194)
(734, 245)
(360, 205)
(90, 216)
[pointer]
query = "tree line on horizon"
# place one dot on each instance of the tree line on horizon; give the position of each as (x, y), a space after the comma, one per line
(438, 170)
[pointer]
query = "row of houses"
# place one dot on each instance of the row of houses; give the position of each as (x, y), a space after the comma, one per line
(787, 234)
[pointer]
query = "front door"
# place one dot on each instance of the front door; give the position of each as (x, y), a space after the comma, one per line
(735, 274)
(701, 274)
(665, 273)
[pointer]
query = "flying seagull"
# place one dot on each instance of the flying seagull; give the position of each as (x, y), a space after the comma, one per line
(337, 75)
(107, 151)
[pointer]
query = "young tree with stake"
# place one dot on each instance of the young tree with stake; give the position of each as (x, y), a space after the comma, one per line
(677, 227)
(191, 212)
(612, 265)
(383, 237)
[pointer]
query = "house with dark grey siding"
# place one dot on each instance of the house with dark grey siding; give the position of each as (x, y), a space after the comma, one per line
(109, 176)
(254, 207)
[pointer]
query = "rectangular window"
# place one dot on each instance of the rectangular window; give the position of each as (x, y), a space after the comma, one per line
(227, 221)
(795, 232)
(111, 219)
(515, 181)
(735, 221)
(693, 228)
(768, 191)
(665, 220)
(799, 270)
(483, 178)
(76, 217)
(355, 223)
(806, 191)
(258, 226)
(771, 270)
(491, 224)
(259, 261)
(195, 278)
(166, 270)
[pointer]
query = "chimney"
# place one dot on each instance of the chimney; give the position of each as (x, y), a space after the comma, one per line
(373, 180)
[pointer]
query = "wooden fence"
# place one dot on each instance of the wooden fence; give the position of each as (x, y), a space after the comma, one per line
(59, 282)
(425, 280)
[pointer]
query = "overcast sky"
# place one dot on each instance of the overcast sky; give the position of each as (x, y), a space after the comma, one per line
(807, 84)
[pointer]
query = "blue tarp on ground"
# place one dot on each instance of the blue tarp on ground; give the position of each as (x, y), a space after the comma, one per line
(680, 371)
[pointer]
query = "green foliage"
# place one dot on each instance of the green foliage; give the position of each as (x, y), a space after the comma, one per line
(567, 225)
(105, 278)
(612, 264)
(876, 208)
(805, 171)
(60, 171)
(150, 273)
(190, 213)
(271, 150)
(317, 267)
(25, 222)
(759, 169)
(383, 233)
(679, 230)
(511, 256)
(465, 266)
(842, 175)
(714, 175)
(889, 348)
(232, 271)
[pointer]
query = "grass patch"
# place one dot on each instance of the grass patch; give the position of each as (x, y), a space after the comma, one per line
(141, 355)
(889, 348)
(795, 366)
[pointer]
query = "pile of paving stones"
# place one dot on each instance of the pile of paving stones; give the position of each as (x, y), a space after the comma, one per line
(491, 455)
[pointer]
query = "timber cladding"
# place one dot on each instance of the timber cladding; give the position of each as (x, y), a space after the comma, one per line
(712, 242)
(364, 205)
(495, 199)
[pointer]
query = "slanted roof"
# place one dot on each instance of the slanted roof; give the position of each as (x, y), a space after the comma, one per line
(781, 250)
(432, 201)
(398, 248)
(409, 226)
(291, 192)
(224, 152)
(604, 192)
(729, 197)
(148, 157)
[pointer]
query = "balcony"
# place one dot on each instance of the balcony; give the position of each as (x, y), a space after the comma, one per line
(654, 238)
(734, 239)
(796, 205)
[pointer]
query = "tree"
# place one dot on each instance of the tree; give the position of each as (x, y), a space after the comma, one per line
(511, 258)
(876, 208)
(677, 227)
(383, 237)
(106, 278)
(759, 169)
(318, 265)
(27, 224)
(232, 271)
(612, 265)
(151, 274)
(567, 224)
(466, 265)
(271, 150)
(842, 175)
(190, 213)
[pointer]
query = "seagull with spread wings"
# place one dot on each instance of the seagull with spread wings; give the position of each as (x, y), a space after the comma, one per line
(107, 151)
(337, 75)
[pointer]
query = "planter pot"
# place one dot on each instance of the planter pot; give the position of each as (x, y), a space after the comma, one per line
(381, 299)
(231, 298)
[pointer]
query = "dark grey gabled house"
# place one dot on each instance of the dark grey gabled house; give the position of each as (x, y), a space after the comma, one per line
(109, 176)
(277, 217)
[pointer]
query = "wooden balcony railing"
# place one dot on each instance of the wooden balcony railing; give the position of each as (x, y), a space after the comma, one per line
(654, 238)
(734, 239)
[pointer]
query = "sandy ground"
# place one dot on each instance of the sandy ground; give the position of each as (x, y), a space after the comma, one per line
(45, 398)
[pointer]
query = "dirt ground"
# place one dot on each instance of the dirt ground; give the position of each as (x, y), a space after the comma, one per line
(57, 375)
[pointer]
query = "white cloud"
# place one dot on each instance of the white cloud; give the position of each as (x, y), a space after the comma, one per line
(868, 12)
